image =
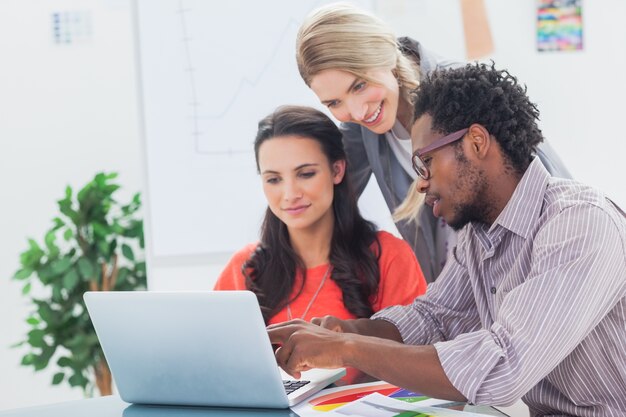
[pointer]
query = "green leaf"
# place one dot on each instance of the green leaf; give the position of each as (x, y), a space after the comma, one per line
(68, 192)
(103, 247)
(68, 234)
(35, 338)
(49, 240)
(101, 229)
(45, 312)
(76, 341)
(28, 359)
(58, 378)
(82, 353)
(140, 268)
(77, 380)
(46, 274)
(122, 275)
(128, 252)
(33, 321)
(86, 269)
(64, 362)
(111, 188)
(41, 361)
(62, 265)
(23, 273)
(34, 245)
(31, 257)
(113, 246)
(70, 279)
(26, 289)
(58, 223)
(117, 228)
(65, 206)
(84, 194)
(100, 179)
(57, 296)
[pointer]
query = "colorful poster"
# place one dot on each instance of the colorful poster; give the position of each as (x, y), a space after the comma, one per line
(377, 405)
(330, 399)
(559, 25)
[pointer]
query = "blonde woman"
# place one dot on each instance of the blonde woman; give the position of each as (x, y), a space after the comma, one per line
(357, 67)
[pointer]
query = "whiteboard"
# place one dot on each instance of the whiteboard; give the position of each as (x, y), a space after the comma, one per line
(208, 72)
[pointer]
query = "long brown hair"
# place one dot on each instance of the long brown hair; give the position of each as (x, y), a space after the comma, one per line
(271, 270)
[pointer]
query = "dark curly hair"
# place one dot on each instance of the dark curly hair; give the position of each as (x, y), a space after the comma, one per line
(479, 93)
(271, 270)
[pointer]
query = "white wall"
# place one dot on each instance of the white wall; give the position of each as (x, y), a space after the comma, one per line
(68, 112)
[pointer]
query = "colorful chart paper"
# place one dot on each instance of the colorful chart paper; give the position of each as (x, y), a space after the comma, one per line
(337, 399)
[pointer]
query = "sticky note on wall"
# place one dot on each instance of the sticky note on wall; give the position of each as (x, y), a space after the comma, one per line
(478, 40)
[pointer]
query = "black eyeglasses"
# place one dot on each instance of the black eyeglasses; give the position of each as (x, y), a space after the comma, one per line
(418, 164)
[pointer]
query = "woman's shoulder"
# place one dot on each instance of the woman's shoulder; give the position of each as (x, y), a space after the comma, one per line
(231, 277)
(427, 60)
(242, 255)
(385, 238)
(393, 247)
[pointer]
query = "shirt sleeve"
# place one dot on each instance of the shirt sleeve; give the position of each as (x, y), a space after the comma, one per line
(358, 163)
(445, 311)
(231, 277)
(576, 278)
(401, 278)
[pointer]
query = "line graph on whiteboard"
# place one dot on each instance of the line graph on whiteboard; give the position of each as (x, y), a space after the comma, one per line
(236, 77)
(209, 71)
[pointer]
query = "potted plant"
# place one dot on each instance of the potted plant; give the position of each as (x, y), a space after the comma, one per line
(91, 246)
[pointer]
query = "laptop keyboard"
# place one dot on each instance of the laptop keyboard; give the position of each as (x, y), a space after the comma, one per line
(291, 386)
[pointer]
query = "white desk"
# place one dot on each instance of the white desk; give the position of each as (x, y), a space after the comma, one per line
(113, 406)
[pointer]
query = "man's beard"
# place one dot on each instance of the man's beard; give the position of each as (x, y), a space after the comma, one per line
(471, 179)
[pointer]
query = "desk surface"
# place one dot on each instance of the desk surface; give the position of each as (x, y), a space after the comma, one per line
(113, 406)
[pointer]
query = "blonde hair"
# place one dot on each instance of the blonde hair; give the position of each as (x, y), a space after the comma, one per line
(342, 37)
(409, 208)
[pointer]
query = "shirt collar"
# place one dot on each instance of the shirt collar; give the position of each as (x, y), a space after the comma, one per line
(523, 209)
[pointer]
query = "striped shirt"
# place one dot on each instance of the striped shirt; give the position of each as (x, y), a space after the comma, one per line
(533, 306)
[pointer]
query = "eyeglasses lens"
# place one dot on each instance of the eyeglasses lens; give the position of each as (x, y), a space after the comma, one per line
(420, 168)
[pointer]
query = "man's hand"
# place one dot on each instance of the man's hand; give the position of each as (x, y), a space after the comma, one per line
(304, 346)
(364, 327)
(334, 324)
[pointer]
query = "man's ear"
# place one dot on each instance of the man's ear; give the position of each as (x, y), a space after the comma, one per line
(480, 140)
(339, 171)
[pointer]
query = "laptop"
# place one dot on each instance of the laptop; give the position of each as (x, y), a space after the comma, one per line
(196, 349)
(141, 410)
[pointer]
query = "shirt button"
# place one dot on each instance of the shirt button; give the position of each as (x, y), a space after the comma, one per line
(493, 290)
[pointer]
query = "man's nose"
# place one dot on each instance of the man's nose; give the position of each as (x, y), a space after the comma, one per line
(422, 185)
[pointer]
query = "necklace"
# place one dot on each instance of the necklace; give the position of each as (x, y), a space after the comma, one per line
(306, 310)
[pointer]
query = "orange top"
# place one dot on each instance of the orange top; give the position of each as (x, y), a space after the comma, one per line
(401, 281)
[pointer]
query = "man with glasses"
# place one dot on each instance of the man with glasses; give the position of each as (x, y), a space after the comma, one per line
(531, 305)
